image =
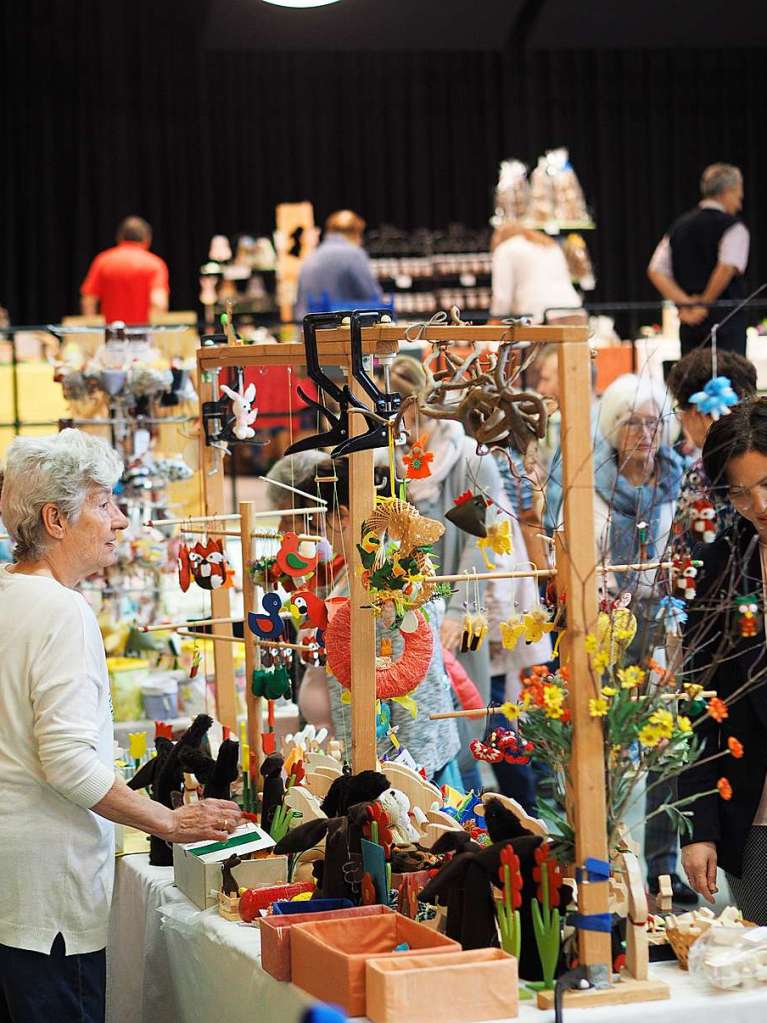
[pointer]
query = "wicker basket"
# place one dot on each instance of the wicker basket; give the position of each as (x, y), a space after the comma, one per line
(682, 941)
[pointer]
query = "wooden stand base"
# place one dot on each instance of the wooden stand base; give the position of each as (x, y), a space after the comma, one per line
(625, 991)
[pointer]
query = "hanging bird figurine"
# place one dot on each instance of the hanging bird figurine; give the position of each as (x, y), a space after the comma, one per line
(268, 625)
(418, 460)
(308, 611)
(293, 557)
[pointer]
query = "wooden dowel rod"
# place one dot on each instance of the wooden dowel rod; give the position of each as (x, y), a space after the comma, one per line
(237, 639)
(268, 514)
(293, 490)
(170, 626)
(483, 712)
(191, 518)
(544, 573)
(257, 534)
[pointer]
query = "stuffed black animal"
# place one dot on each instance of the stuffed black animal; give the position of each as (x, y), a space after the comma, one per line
(349, 789)
(216, 776)
(274, 790)
(164, 775)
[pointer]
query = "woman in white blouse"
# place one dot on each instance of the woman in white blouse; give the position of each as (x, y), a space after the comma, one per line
(530, 275)
(59, 789)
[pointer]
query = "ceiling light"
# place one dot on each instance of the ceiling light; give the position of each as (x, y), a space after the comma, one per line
(301, 3)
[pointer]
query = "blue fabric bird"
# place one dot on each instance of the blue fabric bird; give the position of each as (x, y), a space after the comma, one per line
(716, 399)
(269, 625)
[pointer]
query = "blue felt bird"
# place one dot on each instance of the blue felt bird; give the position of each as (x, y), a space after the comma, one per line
(716, 398)
(269, 625)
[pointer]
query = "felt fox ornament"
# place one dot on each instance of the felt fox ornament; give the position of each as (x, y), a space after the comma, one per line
(209, 565)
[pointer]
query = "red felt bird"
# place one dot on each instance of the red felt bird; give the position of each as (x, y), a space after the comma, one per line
(290, 558)
(308, 611)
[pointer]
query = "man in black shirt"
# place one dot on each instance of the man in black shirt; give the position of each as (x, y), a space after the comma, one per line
(703, 258)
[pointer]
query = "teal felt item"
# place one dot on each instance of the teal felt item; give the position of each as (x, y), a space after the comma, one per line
(374, 863)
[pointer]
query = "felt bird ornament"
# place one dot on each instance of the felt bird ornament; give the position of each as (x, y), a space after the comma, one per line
(716, 398)
(269, 624)
(469, 513)
(418, 461)
(537, 623)
(512, 630)
(242, 408)
(498, 539)
(308, 611)
(296, 558)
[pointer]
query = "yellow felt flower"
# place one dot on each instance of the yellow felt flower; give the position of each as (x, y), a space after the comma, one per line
(598, 708)
(137, 744)
(684, 725)
(663, 721)
(511, 631)
(498, 540)
(631, 677)
(511, 711)
(649, 736)
(609, 692)
(536, 623)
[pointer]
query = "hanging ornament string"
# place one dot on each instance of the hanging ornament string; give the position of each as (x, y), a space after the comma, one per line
(392, 468)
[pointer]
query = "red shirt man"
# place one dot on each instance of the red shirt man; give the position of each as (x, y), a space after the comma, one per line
(127, 282)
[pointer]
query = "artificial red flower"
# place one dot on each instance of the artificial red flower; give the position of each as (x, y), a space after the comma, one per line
(510, 866)
(163, 730)
(297, 773)
(717, 709)
(735, 747)
(544, 862)
(377, 814)
(725, 789)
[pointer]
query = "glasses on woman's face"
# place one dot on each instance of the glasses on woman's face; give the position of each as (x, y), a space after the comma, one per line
(744, 498)
(635, 423)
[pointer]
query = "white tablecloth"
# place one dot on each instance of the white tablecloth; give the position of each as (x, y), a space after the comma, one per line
(171, 963)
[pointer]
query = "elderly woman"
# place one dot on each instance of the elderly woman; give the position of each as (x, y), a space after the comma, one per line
(637, 476)
(56, 747)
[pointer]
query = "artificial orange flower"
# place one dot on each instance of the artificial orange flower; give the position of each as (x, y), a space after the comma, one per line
(735, 747)
(717, 709)
(725, 789)
(564, 673)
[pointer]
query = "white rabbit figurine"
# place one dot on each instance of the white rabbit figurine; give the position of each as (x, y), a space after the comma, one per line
(244, 413)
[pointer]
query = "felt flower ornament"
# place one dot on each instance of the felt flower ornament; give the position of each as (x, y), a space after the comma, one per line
(545, 863)
(717, 709)
(418, 460)
(716, 399)
(735, 747)
(498, 540)
(137, 744)
(161, 730)
(377, 828)
(510, 875)
(512, 630)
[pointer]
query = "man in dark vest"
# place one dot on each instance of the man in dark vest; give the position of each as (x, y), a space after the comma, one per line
(703, 258)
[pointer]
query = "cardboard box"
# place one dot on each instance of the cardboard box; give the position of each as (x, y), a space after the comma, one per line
(453, 987)
(327, 958)
(276, 930)
(197, 866)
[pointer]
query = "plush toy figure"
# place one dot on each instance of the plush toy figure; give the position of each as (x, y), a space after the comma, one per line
(685, 573)
(216, 776)
(704, 520)
(242, 407)
(397, 806)
(271, 771)
(209, 565)
(748, 608)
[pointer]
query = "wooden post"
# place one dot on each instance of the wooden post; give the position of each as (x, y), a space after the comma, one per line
(213, 496)
(363, 640)
(576, 579)
(253, 704)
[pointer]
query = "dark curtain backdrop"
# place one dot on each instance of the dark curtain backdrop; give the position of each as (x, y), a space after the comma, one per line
(110, 108)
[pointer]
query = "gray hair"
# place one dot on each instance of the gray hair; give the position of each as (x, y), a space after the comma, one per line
(627, 393)
(296, 470)
(718, 178)
(59, 470)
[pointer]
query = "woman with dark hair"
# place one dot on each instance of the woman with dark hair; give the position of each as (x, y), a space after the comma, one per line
(725, 650)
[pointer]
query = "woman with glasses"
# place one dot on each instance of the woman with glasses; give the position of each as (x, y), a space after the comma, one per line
(726, 652)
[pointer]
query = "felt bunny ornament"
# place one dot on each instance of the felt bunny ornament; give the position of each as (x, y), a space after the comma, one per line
(242, 407)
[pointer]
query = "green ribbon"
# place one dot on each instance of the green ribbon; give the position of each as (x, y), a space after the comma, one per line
(252, 836)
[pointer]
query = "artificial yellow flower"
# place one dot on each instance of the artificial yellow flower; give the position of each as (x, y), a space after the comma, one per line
(631, 677)
(683, 724)
(609, 692)
(553, 697)
(663, 721)
(137, 744)
(693, 690)
(590, 643)
(598, 708)
(498, 539)
(511, 711)
(649, 736)
(599, 663)
(511, 631)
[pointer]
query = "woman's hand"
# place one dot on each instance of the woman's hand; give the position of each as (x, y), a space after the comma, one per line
(211, 819)
(699, 862)
(450, 635)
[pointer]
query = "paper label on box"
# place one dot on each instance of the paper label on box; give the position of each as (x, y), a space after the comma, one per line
(248, 838)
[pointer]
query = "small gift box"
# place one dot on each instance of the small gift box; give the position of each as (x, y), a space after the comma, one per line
(311, 906)
(328, 957)
(276, 931)
(451, 987)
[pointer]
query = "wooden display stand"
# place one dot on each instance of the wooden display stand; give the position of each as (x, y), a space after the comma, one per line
(576, 578)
